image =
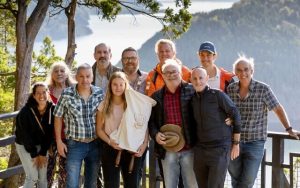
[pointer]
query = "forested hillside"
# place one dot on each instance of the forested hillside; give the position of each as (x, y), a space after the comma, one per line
(268, 30)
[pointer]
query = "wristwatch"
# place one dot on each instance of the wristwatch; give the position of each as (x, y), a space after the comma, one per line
(235, 142)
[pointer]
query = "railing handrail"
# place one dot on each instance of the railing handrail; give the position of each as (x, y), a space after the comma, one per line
(8, 115)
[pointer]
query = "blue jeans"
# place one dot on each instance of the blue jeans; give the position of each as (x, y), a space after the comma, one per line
(77, 153)
(176, 162)
(34, 176)
(243, 170)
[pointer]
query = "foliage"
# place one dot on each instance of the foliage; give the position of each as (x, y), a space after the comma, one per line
(43, 60)
(7, 28)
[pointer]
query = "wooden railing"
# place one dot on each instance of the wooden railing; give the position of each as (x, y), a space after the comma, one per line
(279, 179)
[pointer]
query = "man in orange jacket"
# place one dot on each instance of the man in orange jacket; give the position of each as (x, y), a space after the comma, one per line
(218, 77)
(165, 49)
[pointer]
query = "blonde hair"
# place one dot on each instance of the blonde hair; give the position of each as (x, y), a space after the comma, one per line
(165, 41)
(49, 80)
(107, 107)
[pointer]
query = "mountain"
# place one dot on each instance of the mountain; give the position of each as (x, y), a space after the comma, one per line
(267, 30)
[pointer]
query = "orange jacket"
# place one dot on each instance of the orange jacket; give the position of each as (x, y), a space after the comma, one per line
(155, 81)
(225, 79)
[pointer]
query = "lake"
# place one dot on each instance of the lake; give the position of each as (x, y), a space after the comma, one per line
(126, 31)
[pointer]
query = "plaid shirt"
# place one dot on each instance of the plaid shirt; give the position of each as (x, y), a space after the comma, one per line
(172, 107)
(79, 115)
(253, 109)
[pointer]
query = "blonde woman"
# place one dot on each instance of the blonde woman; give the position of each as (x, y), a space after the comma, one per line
(109, 116)
(59, 78)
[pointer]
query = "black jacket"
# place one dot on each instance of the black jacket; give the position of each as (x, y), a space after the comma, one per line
(28, 132)
(210, 109)
(157, 118)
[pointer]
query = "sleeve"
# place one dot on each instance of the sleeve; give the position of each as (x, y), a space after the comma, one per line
(270, 99)
(24, 126)
(153, 123)
(229, 107)
(59, 108)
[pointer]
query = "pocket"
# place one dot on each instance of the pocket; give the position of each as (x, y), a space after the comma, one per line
(75, 109)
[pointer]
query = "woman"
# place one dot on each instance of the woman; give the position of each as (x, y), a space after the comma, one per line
(58, 79)
(109, 116)
(34, 134)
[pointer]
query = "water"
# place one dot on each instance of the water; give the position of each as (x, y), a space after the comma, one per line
(126, 31)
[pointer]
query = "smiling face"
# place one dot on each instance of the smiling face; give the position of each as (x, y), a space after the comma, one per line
(244, 71)
(207, 58)
(118, 86)
(130, 62)
(199, 79)
(41, 95)
(84, 78)
(59, 75)
(165, 52)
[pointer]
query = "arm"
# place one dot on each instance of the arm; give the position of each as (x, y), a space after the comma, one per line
(101, 133)
(235, 150)
(282, 116)
(144, 145)
(61, 147)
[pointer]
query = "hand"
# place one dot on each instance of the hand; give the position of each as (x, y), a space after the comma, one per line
(228, 121)
(160, 138)
(62, 148)
(141, 150)
(293, 133)
(114, 144)
(235, 151)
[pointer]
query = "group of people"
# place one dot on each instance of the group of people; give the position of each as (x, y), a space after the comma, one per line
(203, 121)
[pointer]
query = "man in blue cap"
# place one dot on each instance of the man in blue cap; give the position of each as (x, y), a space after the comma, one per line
(218, 77)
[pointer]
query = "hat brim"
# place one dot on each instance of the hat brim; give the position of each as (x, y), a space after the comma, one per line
(175, 129)
(207, 51)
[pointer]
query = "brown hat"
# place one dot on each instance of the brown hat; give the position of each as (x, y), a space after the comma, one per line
(174, 138)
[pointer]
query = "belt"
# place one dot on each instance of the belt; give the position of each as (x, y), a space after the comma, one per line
(85, 140)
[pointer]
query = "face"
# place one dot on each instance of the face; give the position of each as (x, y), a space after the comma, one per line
(84, 78)
(207, 58)
(118, 86)
(59, 75)
(102, 55)
(199, 79)
(171, 75)
(130, 62)
(243, 71)
(165, 52)
(41, 95)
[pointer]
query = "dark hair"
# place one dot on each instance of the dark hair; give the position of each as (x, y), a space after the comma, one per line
(129, 49)
(31, 101)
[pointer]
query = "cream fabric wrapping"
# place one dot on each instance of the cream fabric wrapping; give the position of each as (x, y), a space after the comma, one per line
(134, 123)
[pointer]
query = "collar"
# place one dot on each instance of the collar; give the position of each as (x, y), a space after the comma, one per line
(138, 72)
(207, 88)
(218, 73)
(167, 91)
(251, 86)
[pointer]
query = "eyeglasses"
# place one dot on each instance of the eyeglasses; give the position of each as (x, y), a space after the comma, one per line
(169, 73)
(129, 58)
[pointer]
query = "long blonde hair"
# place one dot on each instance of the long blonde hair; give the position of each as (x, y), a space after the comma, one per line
(69, 81)
(107, 107)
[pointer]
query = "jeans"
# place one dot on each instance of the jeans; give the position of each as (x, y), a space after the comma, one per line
(33, 175)
(77, 153)
(243, 170)
(175, 163)
(210, 166)
(112, 173)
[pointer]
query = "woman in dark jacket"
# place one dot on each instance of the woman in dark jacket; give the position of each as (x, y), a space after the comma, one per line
(34, 134)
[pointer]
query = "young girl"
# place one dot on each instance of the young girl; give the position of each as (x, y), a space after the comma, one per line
(109, 116)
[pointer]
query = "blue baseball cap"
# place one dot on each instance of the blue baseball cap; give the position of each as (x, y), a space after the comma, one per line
(208, 46)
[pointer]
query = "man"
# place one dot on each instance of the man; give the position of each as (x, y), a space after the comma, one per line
(77, 106)
(137, 80)
(216, 142)
(136, 77)
(172, 108)
(254, 99)
(102, 68)
(165, 49)
(218, 77)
